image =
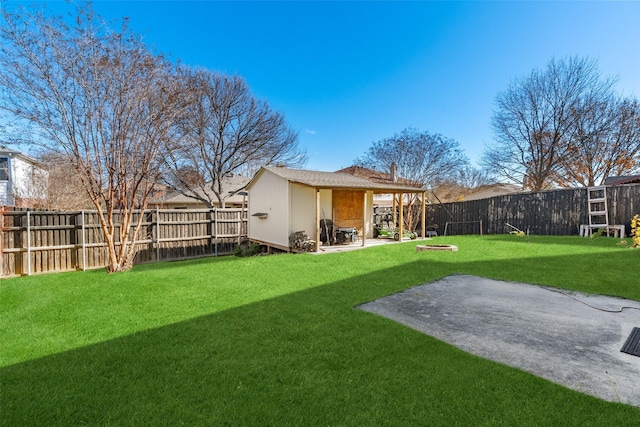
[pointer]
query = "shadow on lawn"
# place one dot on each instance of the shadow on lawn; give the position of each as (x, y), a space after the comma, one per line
(178, 263)
(600, 241)
(306, 358)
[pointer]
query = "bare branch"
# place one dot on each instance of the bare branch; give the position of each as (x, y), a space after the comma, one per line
(225, 131)
(98, 97)
(539, 119)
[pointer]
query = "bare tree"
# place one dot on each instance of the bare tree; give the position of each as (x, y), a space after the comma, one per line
(226, 131)
(64, 189)
(420, 157)
(534, 120)
(99, 97)
(463, 182)
(605, 140)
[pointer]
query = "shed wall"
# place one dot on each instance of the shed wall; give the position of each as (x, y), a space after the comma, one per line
(269, 194)
(326, 205)
(303, 210)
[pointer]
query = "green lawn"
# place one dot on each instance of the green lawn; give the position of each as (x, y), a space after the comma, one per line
(276, 340)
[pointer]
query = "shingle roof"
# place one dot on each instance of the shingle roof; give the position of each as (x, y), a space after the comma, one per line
(230, 184)
(619, 180)
(6, 151)
(377, 176)
(336, 180)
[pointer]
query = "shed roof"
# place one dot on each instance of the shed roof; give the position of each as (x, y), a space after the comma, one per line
(379, 177)
(333, 180)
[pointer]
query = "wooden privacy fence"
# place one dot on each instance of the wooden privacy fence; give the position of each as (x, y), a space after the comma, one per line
(551, 212)
(52, 241)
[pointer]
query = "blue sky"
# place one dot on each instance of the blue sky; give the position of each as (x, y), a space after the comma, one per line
(346, 74)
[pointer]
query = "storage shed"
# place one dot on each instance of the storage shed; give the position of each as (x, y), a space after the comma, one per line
(284, 201)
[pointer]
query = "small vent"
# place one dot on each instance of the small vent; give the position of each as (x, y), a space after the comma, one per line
(632, 346)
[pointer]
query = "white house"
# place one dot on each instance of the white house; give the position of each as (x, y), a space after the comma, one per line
(283, 201)
(23, 180)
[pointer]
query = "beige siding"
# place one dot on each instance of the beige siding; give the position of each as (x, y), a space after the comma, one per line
(369, 215)
(326, 208)
(269, 194)
(292, 207)
(303, 209)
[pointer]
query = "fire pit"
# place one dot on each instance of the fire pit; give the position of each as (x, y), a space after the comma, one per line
(421, 248)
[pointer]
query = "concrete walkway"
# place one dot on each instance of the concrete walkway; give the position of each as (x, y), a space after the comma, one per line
(563, 336)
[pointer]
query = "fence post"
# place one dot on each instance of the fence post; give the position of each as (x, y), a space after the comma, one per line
(83, 243)
(157, 234)
(215, 229)
(28, 243)
(210, 232)
(239, 226)
(2, 241)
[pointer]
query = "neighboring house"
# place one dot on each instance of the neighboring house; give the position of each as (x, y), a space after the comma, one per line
(391, 178)
(23, 180)
(284, 201)
(232, 187)
(619, 180)
(492, 190)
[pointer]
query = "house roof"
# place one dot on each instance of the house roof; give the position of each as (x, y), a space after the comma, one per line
(9, 152)
(230, 184)
(492, 190)
(623, 179)
(333, 180)
(379, 177)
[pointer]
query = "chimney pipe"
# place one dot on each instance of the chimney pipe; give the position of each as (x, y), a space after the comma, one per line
(394, 172)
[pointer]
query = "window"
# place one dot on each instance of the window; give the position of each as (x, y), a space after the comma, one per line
(4, 169)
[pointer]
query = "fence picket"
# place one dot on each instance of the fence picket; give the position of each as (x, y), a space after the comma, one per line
(551, 212)
(52, 241)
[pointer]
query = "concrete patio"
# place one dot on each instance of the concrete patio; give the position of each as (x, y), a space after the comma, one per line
(565, 337)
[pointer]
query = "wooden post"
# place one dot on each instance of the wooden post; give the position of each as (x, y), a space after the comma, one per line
(364, 219)
(395, 206)
(401, 225)
(318, 219)
(157, 234)
(423, 222)
(28, 243)
(239, 226)
(215, 229)
(210, 231)
(83, 242)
